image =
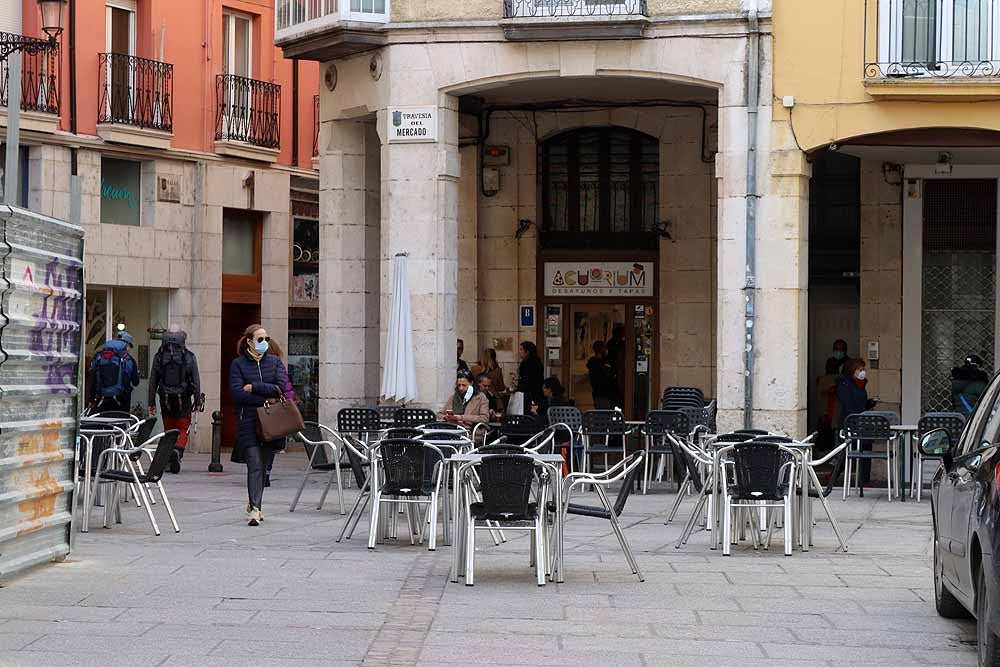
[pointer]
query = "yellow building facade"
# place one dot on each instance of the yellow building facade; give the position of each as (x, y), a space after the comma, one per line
(890, 111)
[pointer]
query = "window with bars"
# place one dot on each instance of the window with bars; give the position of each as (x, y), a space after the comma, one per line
(599, 189)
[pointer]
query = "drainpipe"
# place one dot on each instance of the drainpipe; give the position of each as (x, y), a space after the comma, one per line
(750, 285)
(72, 68)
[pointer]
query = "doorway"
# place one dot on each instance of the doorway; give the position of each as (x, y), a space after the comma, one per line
(627, 331)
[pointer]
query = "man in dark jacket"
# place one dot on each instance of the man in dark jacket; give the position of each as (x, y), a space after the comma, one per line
(968, 382)
(175, 379)
(603, 387)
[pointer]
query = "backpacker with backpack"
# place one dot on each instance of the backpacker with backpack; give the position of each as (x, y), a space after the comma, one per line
(110, 367)
(173, 369)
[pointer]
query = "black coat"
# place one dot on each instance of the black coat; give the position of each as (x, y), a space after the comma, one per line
(268, 378)
(529, 380)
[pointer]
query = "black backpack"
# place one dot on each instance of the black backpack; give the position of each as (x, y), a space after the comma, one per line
(172, 365)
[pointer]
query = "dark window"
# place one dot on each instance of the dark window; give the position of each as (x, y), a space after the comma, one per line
(600, 189)
(120, 193)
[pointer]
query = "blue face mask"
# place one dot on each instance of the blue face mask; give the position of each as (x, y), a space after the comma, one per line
(261, 347)
(838, 355)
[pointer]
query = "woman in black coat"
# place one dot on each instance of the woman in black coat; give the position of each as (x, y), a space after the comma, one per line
(254, 377)
(529, 375)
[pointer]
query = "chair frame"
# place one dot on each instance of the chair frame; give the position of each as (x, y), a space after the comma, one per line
(731, 504)
(607, 435)
(854, 443)
(416, 523)
(317, 446)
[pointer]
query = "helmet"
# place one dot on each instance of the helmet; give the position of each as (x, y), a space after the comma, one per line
(974, 360)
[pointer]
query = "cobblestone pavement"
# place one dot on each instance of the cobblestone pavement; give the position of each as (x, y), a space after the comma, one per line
(285, 594)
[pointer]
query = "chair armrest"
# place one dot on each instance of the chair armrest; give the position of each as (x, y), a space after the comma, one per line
(836, 450)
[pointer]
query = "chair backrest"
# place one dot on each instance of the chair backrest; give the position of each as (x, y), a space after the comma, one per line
(681, 454)
(709, 413)
(695, 416)
(603, 422)
(733, 437)
(867, 426)
(162, 455)
(357, 467)
(386, 413)
(403, 432)
(675, 398)
(774, 439)
(314, 433)
(358, 420)
(628, 482)
(505, 484)
(752, 432)
(406, 464)
(659, 422)
(953, 422)
(758, 470)
(566, 414)
(414, 416)
(500, 448)
(144, 432)
(443, 426)
(517, 429)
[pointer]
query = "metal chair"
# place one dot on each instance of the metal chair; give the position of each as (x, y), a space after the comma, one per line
(953, 422)
(675, 398)
(402, 432)
(413, 417)
(626, 472)
(658, 424)
(697, 463)
(569, 419)
(606, 426)
(764, 476)
(505, 483)
(386, 415)
(358, 460)
(518, 429)
(867, 428)
(404, 464)
(128, 456)
(320, 440)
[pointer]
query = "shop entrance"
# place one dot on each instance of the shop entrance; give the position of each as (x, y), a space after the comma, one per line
(623, 376)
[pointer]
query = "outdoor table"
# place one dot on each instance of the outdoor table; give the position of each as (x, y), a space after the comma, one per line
(554, 463)
(100, 427)
(907, 431)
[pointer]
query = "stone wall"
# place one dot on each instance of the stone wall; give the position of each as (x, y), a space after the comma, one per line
(424, 10)
(881, 282)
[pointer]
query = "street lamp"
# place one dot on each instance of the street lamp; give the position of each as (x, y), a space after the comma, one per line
(52, 24)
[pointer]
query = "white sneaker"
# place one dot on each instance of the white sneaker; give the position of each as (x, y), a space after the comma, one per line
(254, 519)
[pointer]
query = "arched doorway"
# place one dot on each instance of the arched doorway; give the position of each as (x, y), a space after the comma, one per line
(598, 261)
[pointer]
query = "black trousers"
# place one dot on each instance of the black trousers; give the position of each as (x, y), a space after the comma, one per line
(259, 458)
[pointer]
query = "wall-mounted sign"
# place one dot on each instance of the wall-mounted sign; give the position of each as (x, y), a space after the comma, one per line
(598, 279)
(412, 124)
(168, 188)
(527, 316)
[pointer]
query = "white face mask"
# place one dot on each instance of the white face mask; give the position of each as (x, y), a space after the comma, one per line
(468, 393)
(861, 375)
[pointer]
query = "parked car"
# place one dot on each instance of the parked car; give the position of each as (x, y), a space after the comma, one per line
(965, 500)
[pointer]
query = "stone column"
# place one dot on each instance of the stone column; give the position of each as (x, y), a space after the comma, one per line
(343, 263)
(420, 218)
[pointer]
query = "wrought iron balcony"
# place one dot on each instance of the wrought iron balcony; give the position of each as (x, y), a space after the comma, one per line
(315, 125)
(910, 39)
(249, 111)
(39, 75)
(579, 8)
(529, 20)
(136, 91)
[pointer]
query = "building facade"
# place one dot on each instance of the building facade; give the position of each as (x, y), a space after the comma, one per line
(560, 173)
(895, 116)
(193, 140)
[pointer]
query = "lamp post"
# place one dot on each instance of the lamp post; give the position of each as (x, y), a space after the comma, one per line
(11, 48)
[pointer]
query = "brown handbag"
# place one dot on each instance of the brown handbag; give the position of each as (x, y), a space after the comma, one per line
(278, 419)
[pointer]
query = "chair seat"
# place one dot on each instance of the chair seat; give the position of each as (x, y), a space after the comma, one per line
(761, 498)
(123, 476)
(588, 510)
(868, 455)
(479, 513)
(391, 490)
(604, 449)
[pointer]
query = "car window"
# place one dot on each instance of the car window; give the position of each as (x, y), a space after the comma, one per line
(982, 430)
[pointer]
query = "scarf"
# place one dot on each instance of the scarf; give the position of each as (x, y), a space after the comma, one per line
(254, 354)
(860, 384)
(458, 403)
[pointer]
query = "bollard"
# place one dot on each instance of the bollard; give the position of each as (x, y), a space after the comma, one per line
(216, 464)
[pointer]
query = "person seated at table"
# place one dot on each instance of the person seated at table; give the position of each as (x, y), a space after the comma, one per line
(485, 383)
(466, 406)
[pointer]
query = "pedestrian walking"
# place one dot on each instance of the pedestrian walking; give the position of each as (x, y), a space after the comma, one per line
(254, 376)
(114, 373)
(174, 377)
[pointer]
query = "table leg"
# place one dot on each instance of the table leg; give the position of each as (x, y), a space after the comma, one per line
(806, 527)
(87, 489)
(907, 447)
(560, 578)
(456, 557)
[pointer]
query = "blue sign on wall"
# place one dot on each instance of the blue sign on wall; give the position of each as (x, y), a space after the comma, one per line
(527, 316)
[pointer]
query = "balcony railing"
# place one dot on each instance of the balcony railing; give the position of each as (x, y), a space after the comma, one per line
(295, 13)
(315, 125)
(573, 8)
(932, 38)
(248, 111)
(39, 79)
(136, 91)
